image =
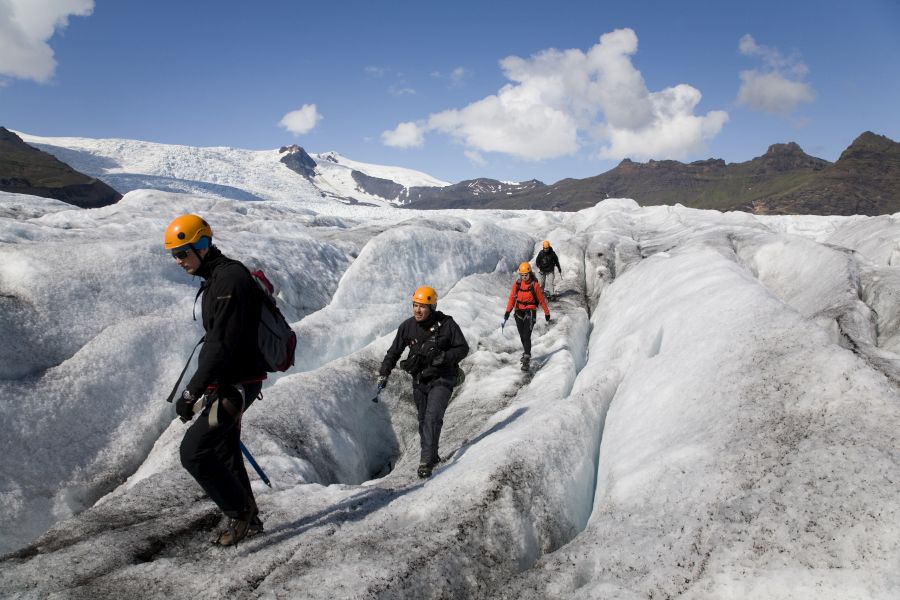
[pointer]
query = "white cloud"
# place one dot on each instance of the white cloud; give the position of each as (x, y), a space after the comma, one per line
(302, 120)
(475, 157)
(674, 131)
(376, 72)
(405, 135)
(455, 78)
(772, 92)
(458, 76)
(559, 100)
(398, 91)
(512, 123)
(778, 87)
(25, 28)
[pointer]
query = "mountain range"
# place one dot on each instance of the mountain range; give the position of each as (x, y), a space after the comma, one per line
(785, 180)
(27, 170)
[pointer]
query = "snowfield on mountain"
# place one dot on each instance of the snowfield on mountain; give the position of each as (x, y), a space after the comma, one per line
(712, 412)
(232, 173)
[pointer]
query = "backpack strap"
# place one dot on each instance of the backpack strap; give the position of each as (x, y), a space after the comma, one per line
(430, 333)
(528, 288)
(180, 377)
(200, 291)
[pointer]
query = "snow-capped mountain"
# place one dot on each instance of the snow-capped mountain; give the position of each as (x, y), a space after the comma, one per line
(231, 173)
(338, 172)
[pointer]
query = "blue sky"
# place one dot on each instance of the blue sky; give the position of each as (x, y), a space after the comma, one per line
(509, 90)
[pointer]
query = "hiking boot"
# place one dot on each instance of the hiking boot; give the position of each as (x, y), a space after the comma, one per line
(235, 531)
(424, 471)
(256, 526)
(526, 358)
(238, 529)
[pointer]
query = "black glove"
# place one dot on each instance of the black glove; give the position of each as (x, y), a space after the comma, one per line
(184, 406)
(506, 315)
(381, 382)
(548, 318)
(438, 359)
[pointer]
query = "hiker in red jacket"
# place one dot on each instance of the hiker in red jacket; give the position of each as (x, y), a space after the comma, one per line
(524, 297)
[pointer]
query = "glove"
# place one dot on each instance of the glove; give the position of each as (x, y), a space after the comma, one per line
(184, 406)
(547, 317)
(438, 359)
(506, 315)
(381, 382)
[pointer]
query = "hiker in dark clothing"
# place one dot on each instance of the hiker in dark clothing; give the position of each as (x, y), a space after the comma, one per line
(436, 345)
(230, 371)
(546, 261)
(525, 297)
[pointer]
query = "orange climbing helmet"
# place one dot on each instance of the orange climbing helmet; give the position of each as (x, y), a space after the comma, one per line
(524, 268)
(425, 295)
(186, 230)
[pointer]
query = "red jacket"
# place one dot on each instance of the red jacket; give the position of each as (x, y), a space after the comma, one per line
(526, 295)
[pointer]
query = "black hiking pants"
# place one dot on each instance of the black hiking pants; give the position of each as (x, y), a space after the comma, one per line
(431, 401)
(211, 450)
(525, 323)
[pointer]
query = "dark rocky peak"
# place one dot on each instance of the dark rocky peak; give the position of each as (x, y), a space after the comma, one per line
(296, 159)
(789, 149)
(529, 185)
(377, 186)
(626, 166)
(8, 136)
(482, 185)
(493, 185)
(28, 170)
(871, 144)
(709, 163)
(787, 157)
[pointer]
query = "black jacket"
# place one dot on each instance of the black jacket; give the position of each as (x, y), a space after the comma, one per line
(231, 306)
(546, 260)
(447, 339)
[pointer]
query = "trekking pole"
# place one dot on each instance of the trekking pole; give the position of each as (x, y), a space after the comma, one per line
(255, 465)
(381, 386)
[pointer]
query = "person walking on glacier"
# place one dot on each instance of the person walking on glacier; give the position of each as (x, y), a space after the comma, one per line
(436, 346)
(525, 297)
(546, 261)
(229, 375)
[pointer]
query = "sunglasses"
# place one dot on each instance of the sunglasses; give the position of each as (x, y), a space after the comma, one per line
(524, 274)
(180, 254)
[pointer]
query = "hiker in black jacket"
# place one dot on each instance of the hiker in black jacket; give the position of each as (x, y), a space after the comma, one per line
(546, 261)
(436, 345)
(229, 375)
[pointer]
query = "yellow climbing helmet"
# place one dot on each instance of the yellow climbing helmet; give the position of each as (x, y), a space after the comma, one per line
(186, 230)
(524, 268)
(425, 295)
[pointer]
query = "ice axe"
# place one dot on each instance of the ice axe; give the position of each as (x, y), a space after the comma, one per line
(255, 465)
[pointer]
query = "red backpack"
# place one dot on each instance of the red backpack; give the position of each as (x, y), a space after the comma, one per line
(529, 288)
(277, 341)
